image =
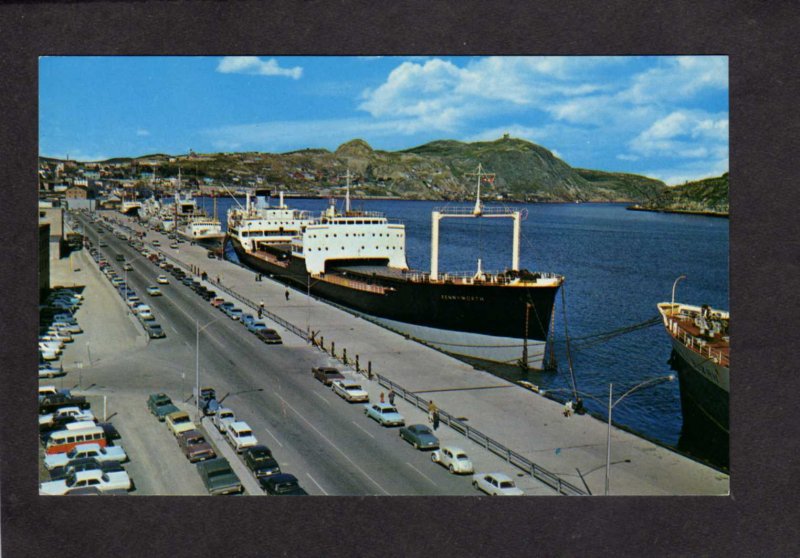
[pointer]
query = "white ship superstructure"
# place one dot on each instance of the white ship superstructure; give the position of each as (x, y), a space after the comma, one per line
(258, 222)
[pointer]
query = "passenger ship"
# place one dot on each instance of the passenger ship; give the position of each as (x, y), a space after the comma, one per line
(357, 259)
(701, 355)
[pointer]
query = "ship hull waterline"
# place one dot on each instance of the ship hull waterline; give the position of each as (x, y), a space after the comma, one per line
(485, 323)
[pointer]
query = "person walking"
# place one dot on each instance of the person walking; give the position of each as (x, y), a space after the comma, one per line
(431, 410)
(391, 396)
(287, 293)
(381, 397)
(435, 419)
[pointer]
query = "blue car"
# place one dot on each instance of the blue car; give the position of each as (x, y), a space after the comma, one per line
(419, 436)
(385, 414)
(247, 319)
(226, 307)
(255, 327)
(234, 313)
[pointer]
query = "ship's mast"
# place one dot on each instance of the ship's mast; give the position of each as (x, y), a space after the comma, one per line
(480, 175)
(347, 193)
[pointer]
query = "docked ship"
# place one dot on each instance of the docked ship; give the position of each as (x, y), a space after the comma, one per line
(199, 228)
(701, 356)
(357, 259)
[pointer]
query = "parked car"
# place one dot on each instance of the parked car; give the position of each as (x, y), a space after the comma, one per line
(50, 403)
(349, 390)
(161, 405)
(419, 436)
(127, 267)
(146, 315)
(216, 302)
(247, 319)
(218, 477)
(269, 336)
(76, 413)
(195, 447)
(234, 313)
(154, 330)
(385, 414)
(260, 461)
(240, 436)
(327, 374)
(455, 459)
(224, 306)
(256, 326)
(207, 400)
(85, 464)
(102, 454)
(118, 480)
(153, 291)
(496, 484)
(178, 422)
(282, 484)
(49, 371)
(223, 418)
(162, 280)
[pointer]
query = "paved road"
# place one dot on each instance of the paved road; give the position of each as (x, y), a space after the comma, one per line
(328, 444)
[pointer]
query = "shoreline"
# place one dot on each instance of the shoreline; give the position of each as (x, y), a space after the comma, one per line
(680, 211)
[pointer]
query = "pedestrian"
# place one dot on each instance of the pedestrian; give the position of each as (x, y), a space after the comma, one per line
(431, 410)
(381, 397)
(568, 408)
(435, 419)
(391, 396)
(287, 293)
(217, 278)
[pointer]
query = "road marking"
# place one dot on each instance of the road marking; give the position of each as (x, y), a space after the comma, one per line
(362, 430)
(173, 328)
(325, 400)
(420, 472)
(273, 437)
(318, 486)
(334, 446)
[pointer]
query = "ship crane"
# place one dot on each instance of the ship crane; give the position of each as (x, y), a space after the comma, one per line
(478, 211)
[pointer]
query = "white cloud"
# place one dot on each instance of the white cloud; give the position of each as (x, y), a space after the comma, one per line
(253, 65)
(683, 133)
(679, 78)
(141, 132)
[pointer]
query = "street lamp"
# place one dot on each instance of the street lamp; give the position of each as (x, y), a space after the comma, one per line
(198, 329)
(643, 385)
(610, 406)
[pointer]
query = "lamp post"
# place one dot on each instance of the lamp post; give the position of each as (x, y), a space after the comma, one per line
(610, 406)
(198, 329)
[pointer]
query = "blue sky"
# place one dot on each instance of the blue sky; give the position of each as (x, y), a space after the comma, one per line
(664, 117)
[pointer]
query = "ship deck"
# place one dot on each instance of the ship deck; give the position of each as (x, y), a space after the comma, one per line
(689, 334)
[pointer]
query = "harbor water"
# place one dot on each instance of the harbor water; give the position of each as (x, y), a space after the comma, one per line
(618, 265)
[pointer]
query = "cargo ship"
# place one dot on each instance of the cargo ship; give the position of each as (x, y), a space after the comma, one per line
(357, 260)
(701, 356)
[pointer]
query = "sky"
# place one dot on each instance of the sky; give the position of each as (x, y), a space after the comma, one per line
(659, 116)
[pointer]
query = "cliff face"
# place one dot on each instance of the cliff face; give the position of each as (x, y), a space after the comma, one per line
(703, 196)
(437, 170)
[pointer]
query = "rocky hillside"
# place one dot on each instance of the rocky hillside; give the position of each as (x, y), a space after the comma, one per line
(437, 170)
(708, 196)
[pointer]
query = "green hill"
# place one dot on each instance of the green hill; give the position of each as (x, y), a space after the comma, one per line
(703, 196)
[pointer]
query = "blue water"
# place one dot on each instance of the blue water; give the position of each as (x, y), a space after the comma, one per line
(618, 264)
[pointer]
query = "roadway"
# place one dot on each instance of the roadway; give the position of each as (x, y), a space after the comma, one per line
(327, 443)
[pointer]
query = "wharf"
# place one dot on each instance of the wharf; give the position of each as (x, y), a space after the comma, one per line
(573, 448)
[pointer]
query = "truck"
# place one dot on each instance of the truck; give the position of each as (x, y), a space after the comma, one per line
(218, 477)
(161, 405)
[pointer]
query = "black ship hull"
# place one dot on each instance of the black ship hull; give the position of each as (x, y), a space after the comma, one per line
(498, 323)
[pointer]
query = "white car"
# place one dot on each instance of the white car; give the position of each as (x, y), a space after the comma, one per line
(162, 280)
(153, 291)
(139, 308)
(50, 342)
(240, 435)
(455, 459)
(118, 480)
(60, 334)
(48, 371)
(349, 390)
(110, 453)
(223, 418)
(178, 422)
(67, 326)
(496, 484)
(77, 412)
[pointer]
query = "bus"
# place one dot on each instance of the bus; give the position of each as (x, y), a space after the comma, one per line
(64, 440)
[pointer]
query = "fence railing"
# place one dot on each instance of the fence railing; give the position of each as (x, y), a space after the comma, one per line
(512, 458)
(244, 300)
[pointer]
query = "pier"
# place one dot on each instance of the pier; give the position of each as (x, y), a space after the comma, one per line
(572, 448)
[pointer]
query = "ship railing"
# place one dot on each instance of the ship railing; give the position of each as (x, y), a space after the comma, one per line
(350, 283)
(700, 346)
(470, 210)
(468, 277)
(511, 457)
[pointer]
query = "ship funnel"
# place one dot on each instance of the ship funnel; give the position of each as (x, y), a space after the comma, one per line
(261, 198)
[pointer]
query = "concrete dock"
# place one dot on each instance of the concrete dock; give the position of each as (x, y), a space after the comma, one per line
(573, 448)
